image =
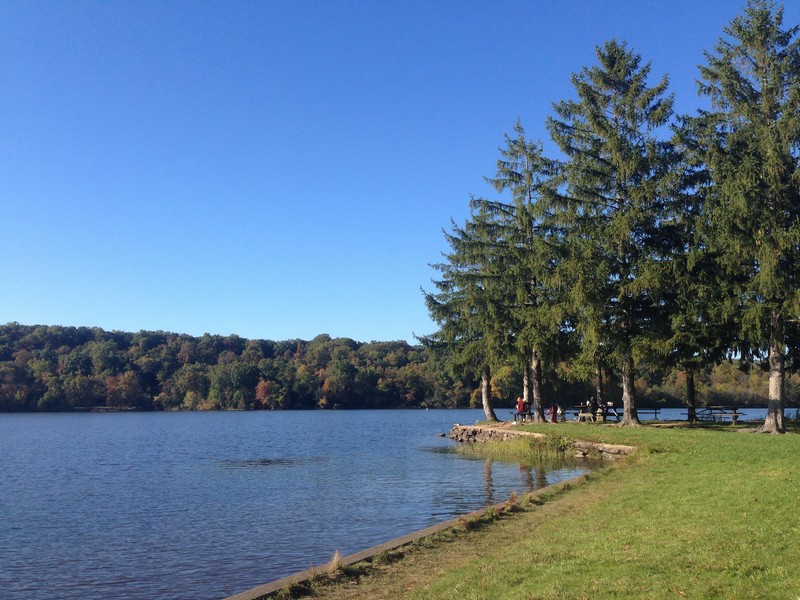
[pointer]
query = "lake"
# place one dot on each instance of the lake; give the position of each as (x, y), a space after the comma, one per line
(203, 505)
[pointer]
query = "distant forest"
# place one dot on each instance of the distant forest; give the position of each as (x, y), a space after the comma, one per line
(54, 368)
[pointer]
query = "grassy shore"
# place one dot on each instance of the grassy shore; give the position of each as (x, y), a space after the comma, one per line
(696, 513)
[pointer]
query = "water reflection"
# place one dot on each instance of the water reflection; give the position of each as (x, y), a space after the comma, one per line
(526, 475)
(501, 476)
(488, 484)
(531, 477)
(541, 477)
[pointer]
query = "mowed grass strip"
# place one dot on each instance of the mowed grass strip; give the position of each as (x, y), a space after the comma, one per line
(698, 513)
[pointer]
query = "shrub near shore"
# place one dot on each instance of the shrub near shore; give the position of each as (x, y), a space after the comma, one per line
(527, 451)
(697, 513)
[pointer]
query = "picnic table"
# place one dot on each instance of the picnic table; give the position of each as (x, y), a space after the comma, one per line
(718, 413)
(654, 411)
(584, 413)
(521, 416)
(529, 415)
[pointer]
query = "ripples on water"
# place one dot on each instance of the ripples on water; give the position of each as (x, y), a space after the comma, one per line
(205, 505)
(257, 463)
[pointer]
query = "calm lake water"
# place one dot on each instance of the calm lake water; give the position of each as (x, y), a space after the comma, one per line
(205, 505)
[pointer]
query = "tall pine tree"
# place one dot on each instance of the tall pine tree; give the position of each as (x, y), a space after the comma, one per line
(469, 305)
(752, 150)
(519, 230)
(614, 206)
(700, 298)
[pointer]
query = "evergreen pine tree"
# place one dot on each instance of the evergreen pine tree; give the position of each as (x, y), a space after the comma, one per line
(524, 236)
(469, 305)
(700, 297)
(752, 149)
(614, 206)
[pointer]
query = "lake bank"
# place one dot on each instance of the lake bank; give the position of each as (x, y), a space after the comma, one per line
(299, 583)
(705, 512)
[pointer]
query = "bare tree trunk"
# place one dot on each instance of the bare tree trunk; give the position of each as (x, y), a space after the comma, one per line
(599, 390)
(691, 403)
(773, 423)
(537, 410)
(486, 398)
(629, 416)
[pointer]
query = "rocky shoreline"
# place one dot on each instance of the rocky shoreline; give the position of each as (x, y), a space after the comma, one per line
(583, 449)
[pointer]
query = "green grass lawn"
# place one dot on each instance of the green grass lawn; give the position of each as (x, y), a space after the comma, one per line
(697, 513)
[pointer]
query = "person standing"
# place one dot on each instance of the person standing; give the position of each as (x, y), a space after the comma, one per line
(521, 409)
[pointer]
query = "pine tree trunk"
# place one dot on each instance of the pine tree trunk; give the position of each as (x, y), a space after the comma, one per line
(527, 384)
(629, 416)
(537, 410)
(486, 398)
(599, 390)
(773, 423)
(691, 403)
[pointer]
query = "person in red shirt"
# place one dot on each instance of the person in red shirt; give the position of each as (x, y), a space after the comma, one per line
(522, 409)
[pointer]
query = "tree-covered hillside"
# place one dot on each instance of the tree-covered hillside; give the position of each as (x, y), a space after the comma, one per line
(52, 368)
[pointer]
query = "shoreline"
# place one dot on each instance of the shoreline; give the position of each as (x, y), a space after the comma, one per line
(461, 434)
(270, 589)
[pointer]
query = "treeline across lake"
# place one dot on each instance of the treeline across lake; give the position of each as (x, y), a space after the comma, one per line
(53, 368)
(50, 368)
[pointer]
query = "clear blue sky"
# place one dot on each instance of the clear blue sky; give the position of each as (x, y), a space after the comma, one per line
(278, 169)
